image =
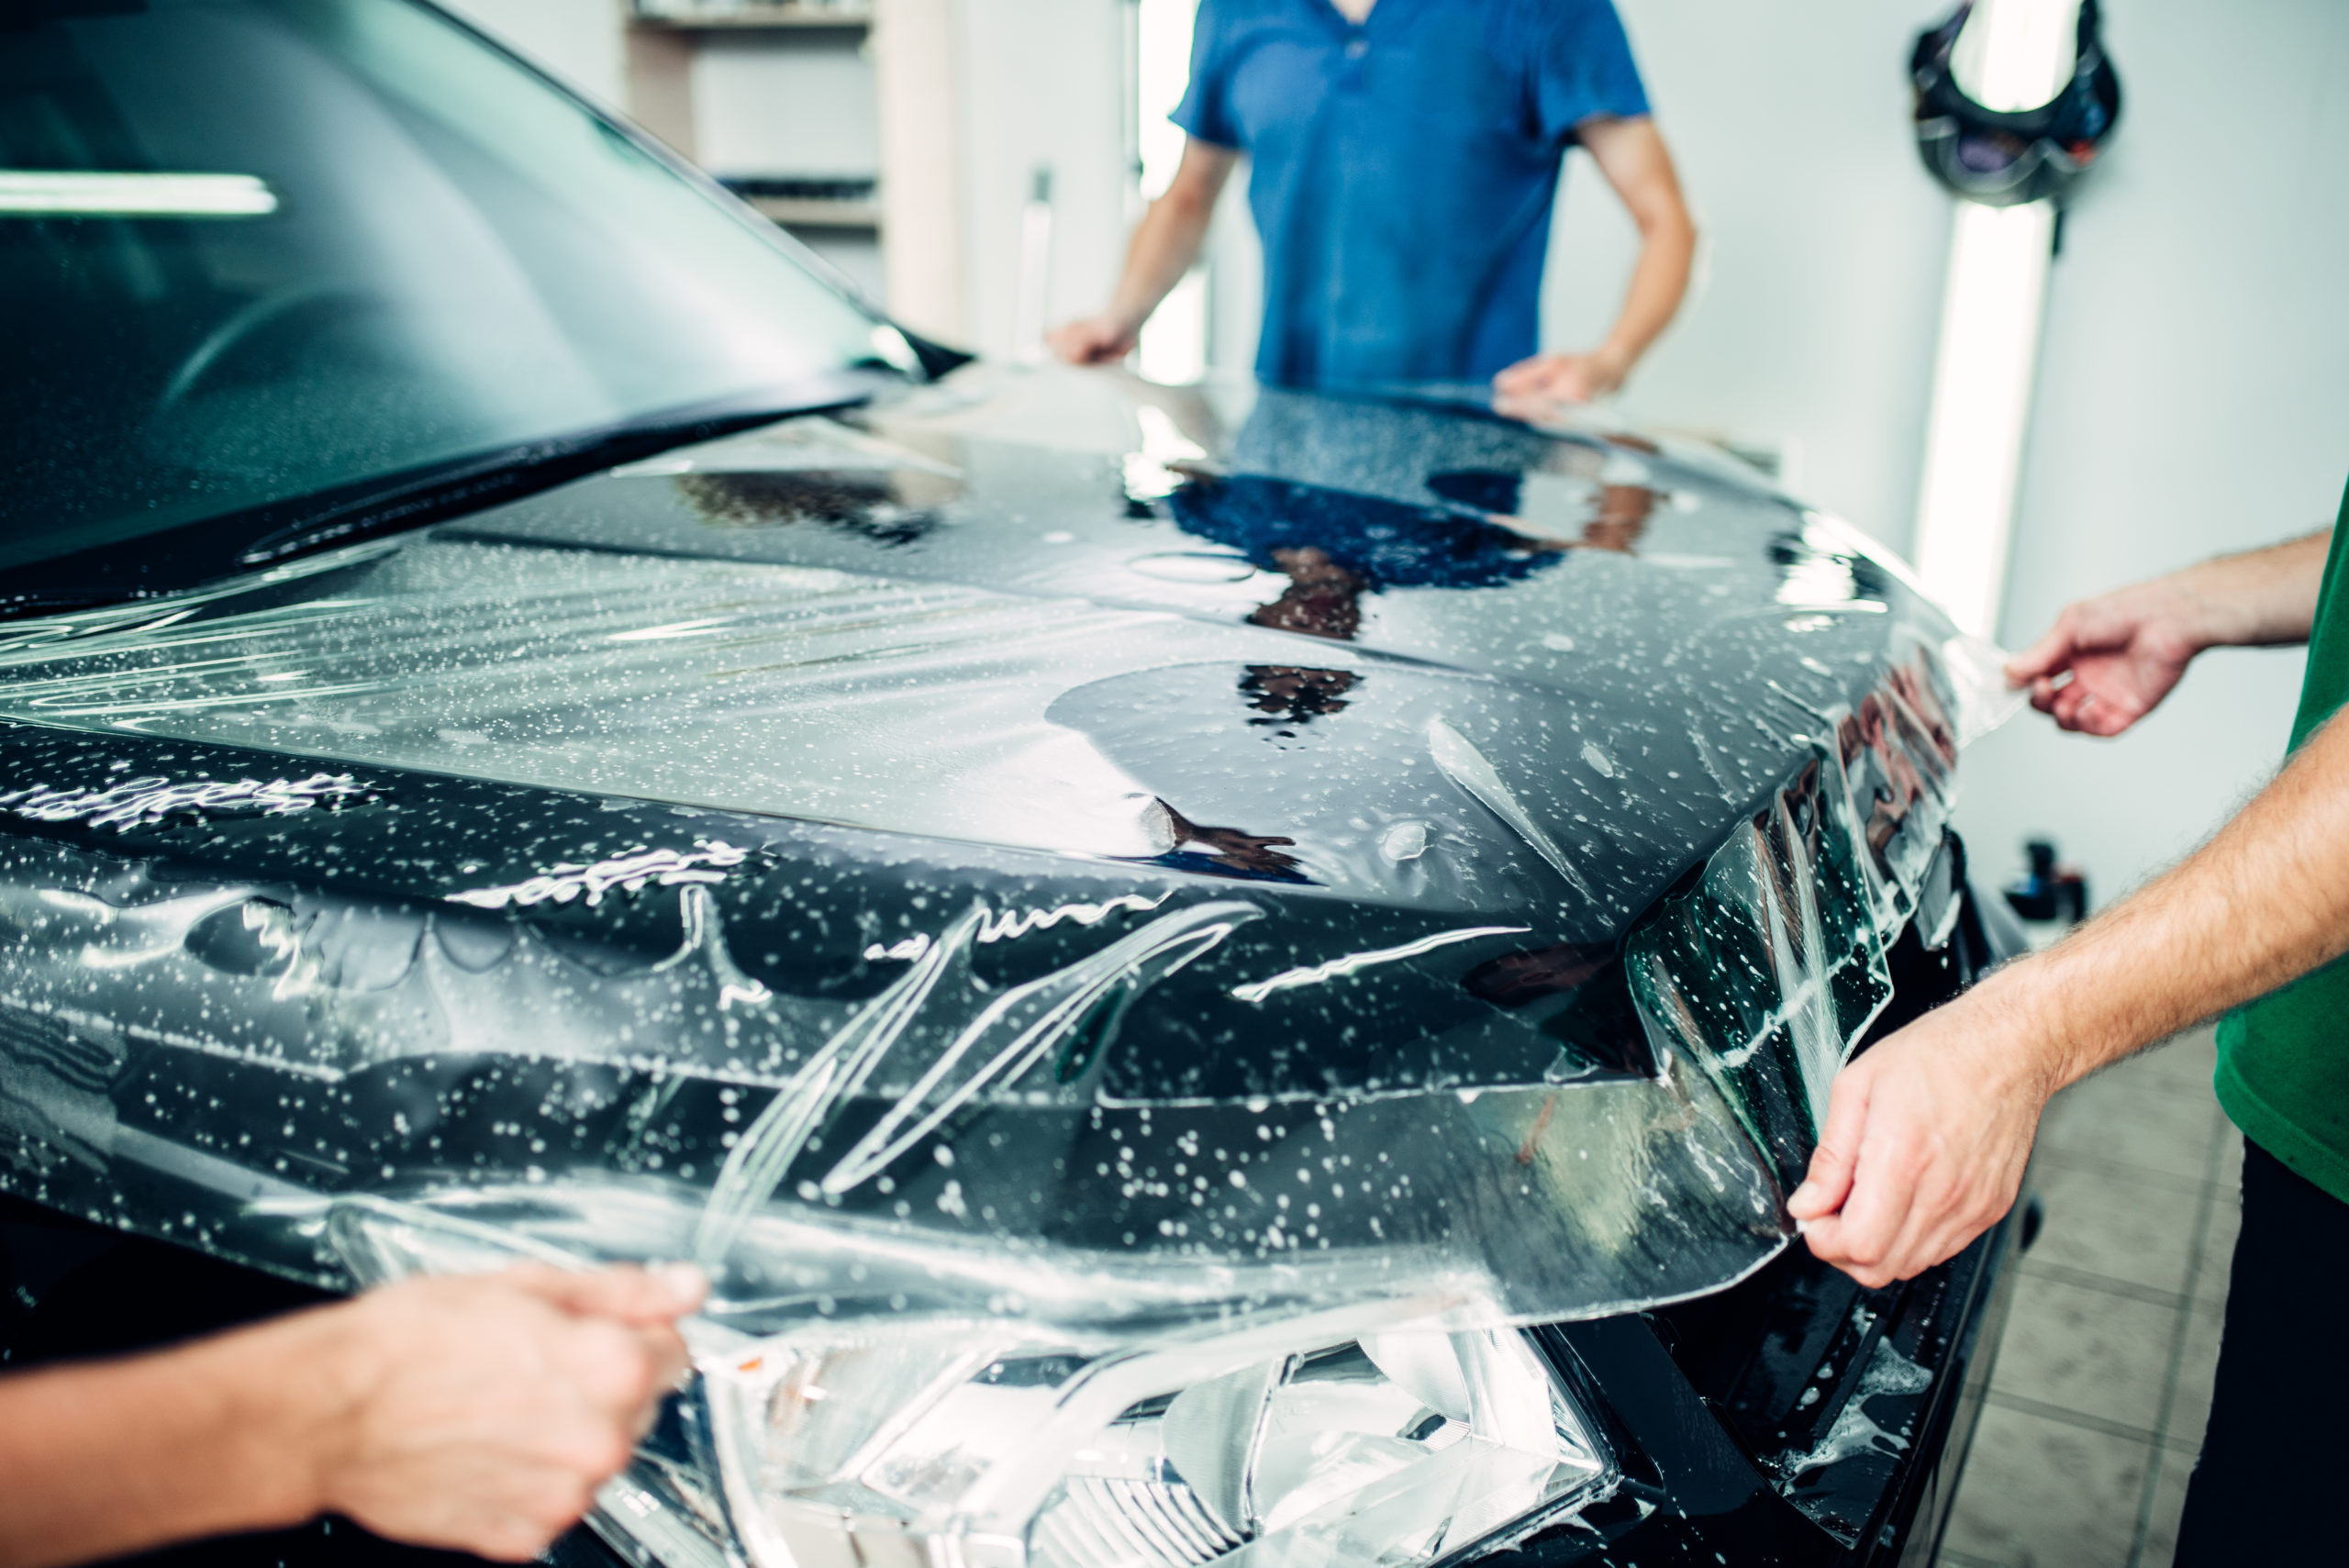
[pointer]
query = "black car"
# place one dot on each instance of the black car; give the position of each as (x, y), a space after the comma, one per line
(1217, 975)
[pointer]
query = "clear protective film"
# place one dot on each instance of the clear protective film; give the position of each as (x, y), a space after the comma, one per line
(1766, 971)
(1131, 1061)
(984, 1126)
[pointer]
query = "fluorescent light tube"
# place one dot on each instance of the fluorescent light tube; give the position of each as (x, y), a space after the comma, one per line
(1982, 385)
(2015, 54)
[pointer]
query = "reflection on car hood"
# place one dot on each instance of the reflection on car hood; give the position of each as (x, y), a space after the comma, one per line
(1057, 817)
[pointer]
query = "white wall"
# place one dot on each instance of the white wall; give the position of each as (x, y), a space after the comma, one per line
(916, 68)
(786, 103)
(1818, 289)
(857, 253)
(1235, 281)
(2193, 399)
(578, 40)
(1043, 84)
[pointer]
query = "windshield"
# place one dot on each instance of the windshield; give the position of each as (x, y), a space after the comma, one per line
(259, 249)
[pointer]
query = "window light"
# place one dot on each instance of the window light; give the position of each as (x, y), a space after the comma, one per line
(43, 194)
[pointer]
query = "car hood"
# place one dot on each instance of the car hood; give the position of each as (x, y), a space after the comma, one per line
(1046, 828)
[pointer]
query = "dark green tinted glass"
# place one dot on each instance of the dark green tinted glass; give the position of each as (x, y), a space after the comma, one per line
(253, 249)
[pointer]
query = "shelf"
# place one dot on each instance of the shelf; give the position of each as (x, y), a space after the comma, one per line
(754, 17)
(806, 212)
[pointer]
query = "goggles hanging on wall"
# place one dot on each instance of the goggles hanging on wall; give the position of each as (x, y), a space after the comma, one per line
(2006, 158)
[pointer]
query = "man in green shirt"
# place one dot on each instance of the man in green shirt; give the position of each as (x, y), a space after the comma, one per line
(1927, 1134)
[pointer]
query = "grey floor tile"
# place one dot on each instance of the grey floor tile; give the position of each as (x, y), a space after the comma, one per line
(2127, 1161)
(2087, 1350)
(2198, 1362)
(2127, 1121)
(2039, 1494)
(2219, 1246)
(2103, 1223)
(2169, 1499)
(2187, 1059)
(2066, 1160)
(2231, 1157)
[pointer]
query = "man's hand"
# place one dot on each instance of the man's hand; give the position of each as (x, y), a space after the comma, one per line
(1631, 154)
(2109, 660)
(1926, 1140)
(1927, 1133)
(1165, 243)
(1101, 340)
(475, 1412)
(481, 1413)
(1563, 378)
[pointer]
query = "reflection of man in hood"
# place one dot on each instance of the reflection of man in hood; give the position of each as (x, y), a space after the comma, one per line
(1227, 852)
(887, 507)
(1333, 546)
(1374, 496)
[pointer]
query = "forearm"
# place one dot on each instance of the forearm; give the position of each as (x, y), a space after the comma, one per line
(1165, 245)
(1927, 1136)
(2258, 598)
(1630, 153)
(2266, 901)
(105, 1458)
(1659, 282)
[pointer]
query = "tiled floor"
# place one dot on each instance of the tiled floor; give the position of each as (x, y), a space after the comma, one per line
(2103, 1381)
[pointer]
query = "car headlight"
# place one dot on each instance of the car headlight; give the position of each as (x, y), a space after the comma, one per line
(1320, 1440)
(1378, 1434)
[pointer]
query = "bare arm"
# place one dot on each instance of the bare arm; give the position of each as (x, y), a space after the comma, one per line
(1165, 245)
(1631, 154)
(2109, 660)
(1927, 1134)
(477, 1413)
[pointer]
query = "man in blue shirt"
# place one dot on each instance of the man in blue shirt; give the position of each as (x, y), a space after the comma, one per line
(1404, 161)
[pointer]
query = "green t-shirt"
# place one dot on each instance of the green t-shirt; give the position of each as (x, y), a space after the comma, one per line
(2284, 1060)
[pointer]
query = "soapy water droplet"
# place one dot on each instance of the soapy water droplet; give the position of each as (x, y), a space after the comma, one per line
(1557, 641)
(1601, 763)
(1354, 963)
(143, 802)
(705, 863)
(1853, 1431)
(1192, 566)
(1404, 841)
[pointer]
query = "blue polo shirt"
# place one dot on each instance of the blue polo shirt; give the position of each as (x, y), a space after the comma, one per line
(1402, 171)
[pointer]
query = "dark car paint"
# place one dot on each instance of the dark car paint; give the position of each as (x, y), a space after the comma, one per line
(1713, 625)
(1695, 1490)
(1695, 1485)
(1385, 538)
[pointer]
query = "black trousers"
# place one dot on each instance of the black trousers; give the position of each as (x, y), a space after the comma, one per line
(2268, 1486)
